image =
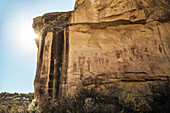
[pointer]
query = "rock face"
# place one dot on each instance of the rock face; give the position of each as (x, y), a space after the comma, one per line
(100, 42)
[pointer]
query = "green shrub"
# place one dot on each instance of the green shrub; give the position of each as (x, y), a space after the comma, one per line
(93, 101)
(130, 104)
(33, 106)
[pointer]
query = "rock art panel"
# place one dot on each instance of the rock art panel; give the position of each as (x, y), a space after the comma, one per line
(132, 49)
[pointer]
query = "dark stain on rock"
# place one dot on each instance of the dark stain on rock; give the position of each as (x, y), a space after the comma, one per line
(146, 50)
(117, 54)
(155, 42)
(74, 67)
(141, 58)
(160, 49)
(125, 50)
(133, 50)
(130, 59)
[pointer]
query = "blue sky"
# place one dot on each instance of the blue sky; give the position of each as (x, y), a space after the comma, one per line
(18, 52)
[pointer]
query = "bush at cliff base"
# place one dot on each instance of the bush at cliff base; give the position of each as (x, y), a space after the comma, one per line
(131, 104)
(92, 101)
(33, 106)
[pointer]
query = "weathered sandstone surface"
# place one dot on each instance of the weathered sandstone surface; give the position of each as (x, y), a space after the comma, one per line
(100, 42)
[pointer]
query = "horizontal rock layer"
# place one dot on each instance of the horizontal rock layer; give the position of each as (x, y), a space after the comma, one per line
(95, 11)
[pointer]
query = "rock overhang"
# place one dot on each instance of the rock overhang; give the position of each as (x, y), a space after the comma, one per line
(55, 21)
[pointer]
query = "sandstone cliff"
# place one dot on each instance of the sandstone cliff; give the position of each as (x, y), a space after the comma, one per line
(100, 42)
(50, 28)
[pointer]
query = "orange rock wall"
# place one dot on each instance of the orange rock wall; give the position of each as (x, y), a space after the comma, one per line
(101, 42)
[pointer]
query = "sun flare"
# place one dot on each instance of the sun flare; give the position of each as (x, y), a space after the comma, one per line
(25, 34)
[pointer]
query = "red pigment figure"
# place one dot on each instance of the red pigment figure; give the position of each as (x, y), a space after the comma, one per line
(88, 63)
